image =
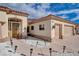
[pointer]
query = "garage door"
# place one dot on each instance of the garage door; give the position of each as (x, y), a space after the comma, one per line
(68, 30)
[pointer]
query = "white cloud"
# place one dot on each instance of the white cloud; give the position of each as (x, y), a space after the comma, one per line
(64, 16)
(64, 12)
(34, 13)
(67, 11)
(76, 18)
(41, 10)
(28, 8)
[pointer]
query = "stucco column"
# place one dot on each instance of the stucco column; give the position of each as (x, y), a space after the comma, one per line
(24, 26)
(74, 29)
(63, 30)
(52, 31)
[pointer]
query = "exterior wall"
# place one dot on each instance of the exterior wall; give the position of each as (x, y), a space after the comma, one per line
(3, 17)
(46, 32)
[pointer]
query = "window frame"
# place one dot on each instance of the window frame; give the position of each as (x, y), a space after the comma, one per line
(32, 27)
(41, 27)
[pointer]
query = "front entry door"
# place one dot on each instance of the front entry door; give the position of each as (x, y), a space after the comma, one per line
(15, 30)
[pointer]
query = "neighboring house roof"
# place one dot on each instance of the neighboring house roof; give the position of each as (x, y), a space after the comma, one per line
(31, 21)
(11, 11)
(50, 17)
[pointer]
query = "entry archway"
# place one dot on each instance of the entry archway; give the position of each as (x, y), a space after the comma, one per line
(15, 27)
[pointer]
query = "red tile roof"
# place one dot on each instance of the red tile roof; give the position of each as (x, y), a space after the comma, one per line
(10, 11)
(50, 17)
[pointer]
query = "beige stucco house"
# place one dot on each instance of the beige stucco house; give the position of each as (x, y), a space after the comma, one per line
(59, 32)
(12, 23)
(50, 27)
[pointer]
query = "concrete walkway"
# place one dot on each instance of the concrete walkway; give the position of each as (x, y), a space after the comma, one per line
(24, 46)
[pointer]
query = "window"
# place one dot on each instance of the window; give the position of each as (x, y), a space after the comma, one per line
(32, 27)
(41, 27)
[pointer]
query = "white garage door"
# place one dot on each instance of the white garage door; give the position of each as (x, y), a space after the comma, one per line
(68, 31)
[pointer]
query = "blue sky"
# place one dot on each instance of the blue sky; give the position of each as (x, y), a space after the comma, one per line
(68, 11)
